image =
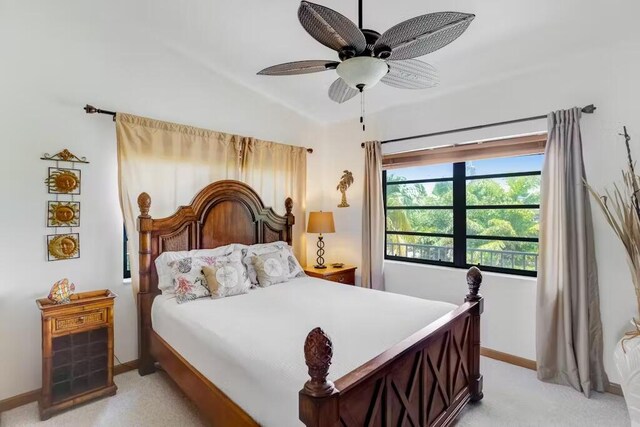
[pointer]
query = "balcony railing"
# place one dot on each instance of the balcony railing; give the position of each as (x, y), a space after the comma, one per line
(495, 258)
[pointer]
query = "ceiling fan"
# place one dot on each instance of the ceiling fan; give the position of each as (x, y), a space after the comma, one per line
(368, 57)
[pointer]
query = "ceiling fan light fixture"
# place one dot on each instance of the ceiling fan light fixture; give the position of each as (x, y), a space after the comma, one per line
(362, 71)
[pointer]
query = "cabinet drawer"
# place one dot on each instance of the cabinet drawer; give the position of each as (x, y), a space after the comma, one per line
(346, 278)
(79, 320)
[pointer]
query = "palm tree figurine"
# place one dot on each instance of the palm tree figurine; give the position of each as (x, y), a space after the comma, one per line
(345, 182)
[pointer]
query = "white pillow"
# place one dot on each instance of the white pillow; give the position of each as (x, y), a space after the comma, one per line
(165, 278)
(295, 270)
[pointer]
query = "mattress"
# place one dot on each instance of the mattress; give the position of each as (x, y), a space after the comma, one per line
(251, 346)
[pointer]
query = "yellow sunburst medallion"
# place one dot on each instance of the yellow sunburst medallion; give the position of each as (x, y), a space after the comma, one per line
(63, 181)
(63, 246)
(64, 214)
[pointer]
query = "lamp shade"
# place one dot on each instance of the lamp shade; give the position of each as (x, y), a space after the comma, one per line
(362, 70)
(321, 222)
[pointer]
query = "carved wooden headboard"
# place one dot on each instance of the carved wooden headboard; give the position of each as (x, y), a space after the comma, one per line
(222, 213)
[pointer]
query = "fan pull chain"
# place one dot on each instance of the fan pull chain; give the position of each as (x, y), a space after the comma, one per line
(362, 109)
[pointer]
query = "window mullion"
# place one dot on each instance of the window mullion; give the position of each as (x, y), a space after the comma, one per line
(459, 214)
(384, 204)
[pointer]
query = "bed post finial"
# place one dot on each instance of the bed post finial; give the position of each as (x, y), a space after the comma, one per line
(144, 203)
(474, 280)
(288, 204)
(318, 351)
(291, 219)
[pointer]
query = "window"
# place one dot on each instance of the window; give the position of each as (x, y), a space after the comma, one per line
(126, 268)
(483, 212)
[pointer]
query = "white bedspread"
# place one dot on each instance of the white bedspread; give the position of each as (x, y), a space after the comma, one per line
(251, 346)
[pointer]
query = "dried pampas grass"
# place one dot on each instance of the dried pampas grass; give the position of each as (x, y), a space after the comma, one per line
(621, 208)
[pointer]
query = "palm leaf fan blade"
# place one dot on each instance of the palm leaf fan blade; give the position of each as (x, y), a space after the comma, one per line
(340, 91)
(299, 67)
(410, 74)
(423, 34)
(331, 28)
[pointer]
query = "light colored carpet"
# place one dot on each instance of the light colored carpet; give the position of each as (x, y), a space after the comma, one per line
(513, 397)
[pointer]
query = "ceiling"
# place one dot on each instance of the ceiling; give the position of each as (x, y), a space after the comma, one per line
(240, 37)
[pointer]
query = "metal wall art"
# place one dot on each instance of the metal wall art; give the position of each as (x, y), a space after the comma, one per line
(343, 185)
(64, 211)
(63, 214)
(63, 181)
(63, 246)
(64, 156)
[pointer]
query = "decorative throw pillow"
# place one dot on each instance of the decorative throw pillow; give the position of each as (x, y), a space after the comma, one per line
(294, 268)
(165, 271)
(188, 281)
(227, 276)
(271, 268)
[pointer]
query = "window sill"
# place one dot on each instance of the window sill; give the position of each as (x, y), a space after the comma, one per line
(532, 279)
(126, 281)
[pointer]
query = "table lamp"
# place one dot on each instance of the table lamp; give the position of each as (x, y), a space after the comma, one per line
(320, 222)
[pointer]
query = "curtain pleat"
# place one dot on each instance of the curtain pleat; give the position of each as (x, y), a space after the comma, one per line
(172, 162)
(568, 326)
(277, 171)
(373, 225)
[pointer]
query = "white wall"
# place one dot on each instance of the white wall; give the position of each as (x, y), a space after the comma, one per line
(607, 78)
(55, 59)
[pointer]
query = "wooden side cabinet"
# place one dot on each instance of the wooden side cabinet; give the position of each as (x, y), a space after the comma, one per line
(77, 351)
(345, 274)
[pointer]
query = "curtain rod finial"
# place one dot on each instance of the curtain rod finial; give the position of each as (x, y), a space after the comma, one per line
(362, 145)
(309, 150)
(589, 109)
(90, 109)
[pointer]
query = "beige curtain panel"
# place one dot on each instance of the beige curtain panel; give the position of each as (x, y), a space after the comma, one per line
(172, 162)
(518, 146)
(373, 221)
(568, 326)
(277, 171)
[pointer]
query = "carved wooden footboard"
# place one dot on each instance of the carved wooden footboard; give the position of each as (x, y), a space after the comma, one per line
(424, 380)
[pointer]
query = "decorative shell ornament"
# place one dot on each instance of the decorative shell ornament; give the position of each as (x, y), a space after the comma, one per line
(343, 185)
(61, 291)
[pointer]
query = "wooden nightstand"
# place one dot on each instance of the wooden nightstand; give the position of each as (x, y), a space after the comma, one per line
(346, 274)
(77, 351)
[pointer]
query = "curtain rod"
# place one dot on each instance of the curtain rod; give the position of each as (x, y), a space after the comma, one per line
(588, 110)
(90, 109)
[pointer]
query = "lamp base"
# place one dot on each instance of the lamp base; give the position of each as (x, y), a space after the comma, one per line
(320, 253)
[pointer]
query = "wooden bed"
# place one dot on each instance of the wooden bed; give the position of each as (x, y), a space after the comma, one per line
(424, 380)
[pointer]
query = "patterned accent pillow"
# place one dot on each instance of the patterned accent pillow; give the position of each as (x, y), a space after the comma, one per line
(165, 273)
(227, 276)
(188, 281)
(271, 268)
(294, 268)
